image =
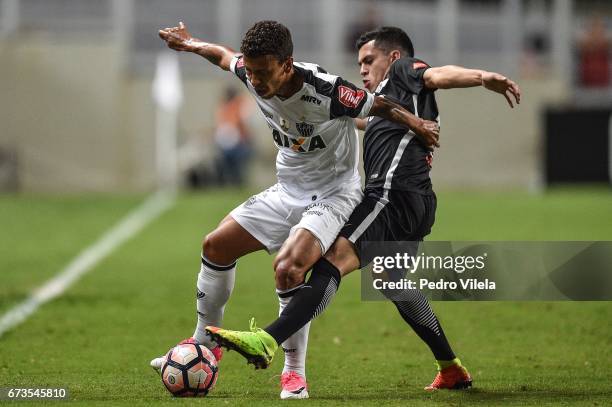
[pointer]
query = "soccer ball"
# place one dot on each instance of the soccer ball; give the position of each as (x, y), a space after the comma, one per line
(189, 370)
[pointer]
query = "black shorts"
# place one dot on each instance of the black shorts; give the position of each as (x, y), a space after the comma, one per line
(392, 216)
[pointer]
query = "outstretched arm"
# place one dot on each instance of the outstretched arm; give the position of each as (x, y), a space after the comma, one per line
(451, 76)
(426, 130)
(179, 39)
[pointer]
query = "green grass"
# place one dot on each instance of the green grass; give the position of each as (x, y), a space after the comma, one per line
(562, 214)
(97, 339)
(39, 236)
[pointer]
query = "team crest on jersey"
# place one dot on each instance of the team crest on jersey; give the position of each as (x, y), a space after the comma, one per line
(305, 129)
(240, 63)
(284, 124)
(350, 97)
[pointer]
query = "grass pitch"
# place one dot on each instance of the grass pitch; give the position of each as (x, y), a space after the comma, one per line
(98, 338)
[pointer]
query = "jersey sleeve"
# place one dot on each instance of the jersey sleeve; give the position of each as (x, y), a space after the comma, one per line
(237, 67)
(348, 100)
(408, 72)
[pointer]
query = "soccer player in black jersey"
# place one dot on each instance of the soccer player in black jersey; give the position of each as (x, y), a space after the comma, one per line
(310, 114)
(399, 203)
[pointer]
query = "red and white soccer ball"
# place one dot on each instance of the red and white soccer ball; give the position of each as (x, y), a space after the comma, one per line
(189, 370)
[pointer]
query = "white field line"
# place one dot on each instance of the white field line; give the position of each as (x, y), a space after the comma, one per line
(122, 231)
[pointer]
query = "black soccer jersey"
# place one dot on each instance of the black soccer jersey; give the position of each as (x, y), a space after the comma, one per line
(393, 157)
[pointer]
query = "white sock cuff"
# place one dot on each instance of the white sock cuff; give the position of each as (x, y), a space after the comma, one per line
(214, 266)
(288, 292)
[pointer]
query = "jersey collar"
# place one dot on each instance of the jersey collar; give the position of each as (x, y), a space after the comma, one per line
(297, 94)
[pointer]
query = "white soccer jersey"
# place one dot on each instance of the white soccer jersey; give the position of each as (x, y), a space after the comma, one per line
(314, 130)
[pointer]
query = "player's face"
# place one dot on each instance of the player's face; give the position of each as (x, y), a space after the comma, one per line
(373, 65)
(267, 74)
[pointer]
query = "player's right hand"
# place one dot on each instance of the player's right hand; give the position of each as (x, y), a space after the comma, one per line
(504, 86)
(177, 38)
(429, 133)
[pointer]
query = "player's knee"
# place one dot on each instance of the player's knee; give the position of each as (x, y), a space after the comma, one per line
(288, 273)
(213, 250)
(208, 246)
(290, 260)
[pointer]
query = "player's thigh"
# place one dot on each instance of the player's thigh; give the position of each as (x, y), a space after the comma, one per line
(430, 203)
(372, 222)
(343, 256)
(312, 236)
(384, 225)
(228, 242)
(411, 215)
(265, 216)
(326, 217)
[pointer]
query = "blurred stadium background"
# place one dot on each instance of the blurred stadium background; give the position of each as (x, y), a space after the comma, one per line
(77, 113)
(80, 147)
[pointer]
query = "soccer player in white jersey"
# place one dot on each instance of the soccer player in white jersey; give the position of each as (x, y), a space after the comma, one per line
(311, 116)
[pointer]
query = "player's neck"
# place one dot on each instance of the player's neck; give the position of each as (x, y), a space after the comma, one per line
(293, 85)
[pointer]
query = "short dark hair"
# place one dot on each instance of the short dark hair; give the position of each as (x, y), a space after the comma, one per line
(388, 39)
(267, 38)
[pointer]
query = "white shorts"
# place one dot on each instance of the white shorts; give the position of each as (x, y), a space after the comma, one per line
(273, 215)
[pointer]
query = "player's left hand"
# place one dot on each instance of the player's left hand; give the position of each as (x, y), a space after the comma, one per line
(500, 84)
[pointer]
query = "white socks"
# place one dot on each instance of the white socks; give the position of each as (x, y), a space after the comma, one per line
(215, 285)
(294, 347)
